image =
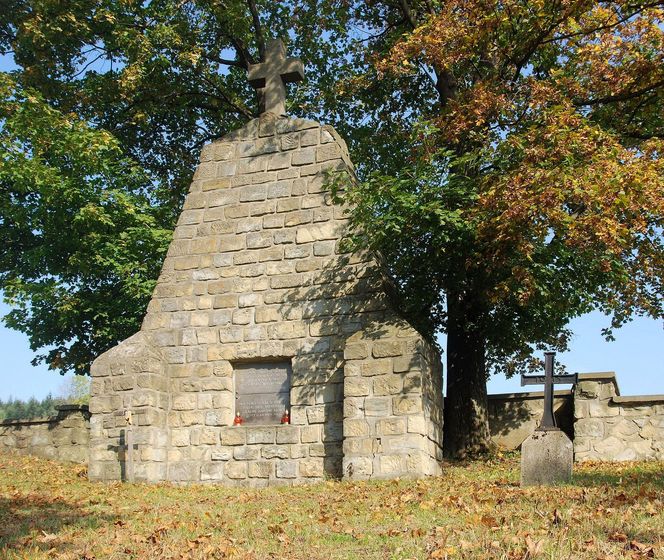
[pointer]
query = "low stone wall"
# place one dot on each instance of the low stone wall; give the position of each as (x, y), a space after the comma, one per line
(609, 427)
(64, 437)
(515, 416)
(604, 426)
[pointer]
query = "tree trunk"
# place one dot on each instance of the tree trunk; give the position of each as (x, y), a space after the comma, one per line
(466, 427)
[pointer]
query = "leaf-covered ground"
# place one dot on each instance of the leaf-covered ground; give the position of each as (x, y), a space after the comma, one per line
(50, 510)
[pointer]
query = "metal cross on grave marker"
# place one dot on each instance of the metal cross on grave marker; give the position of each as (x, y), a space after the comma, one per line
(548, 379)
(272, 75)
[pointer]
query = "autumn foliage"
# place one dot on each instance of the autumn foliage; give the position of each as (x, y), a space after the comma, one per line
(49, 510)
(551, 117)
(533, 191)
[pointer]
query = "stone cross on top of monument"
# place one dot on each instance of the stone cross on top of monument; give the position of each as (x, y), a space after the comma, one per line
(272, 75)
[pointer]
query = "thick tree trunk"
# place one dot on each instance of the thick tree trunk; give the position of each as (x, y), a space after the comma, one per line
(466, 428)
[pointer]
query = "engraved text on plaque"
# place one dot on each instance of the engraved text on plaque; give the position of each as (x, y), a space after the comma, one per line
(262, 391)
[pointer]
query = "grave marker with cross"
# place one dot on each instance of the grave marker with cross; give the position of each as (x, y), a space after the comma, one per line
(272, 75)
(547, 455)
(548, 380)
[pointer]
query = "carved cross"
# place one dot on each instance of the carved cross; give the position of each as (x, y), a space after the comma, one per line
(272, 75)
(548, 379)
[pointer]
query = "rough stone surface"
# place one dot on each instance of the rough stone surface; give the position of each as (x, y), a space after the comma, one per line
(256, 273)
(546, 458)
(391, 423)
(609, 427)
(513, 417)
(63, 437)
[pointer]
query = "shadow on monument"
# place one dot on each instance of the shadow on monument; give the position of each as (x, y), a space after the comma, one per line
(349, 295)
(46, 515)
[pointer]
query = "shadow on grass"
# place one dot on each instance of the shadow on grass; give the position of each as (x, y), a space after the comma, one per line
(35, 520)
(648, 475)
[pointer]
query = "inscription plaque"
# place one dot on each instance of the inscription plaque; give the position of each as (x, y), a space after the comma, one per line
(262, 391)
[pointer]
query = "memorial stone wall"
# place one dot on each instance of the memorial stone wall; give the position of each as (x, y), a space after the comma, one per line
(256, 282)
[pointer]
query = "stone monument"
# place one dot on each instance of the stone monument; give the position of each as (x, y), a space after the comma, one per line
(268, 355)
(548, 454)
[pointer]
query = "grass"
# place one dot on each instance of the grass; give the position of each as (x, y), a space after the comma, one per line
(478, 510)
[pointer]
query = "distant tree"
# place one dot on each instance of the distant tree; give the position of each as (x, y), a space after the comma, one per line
(17, 409)
(76, 390)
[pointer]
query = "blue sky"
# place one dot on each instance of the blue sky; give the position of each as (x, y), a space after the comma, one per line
(637, 356)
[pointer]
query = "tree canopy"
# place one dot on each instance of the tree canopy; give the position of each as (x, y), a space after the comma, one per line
(509, 156)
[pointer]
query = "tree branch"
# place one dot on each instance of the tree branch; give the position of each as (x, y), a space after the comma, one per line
(226, 62)
(408, 13)
(625, 96)
(260, 39)
(243, 53)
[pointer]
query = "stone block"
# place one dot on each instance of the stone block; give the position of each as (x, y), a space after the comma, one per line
(310, 434)
(298, 451)
(357, 467)
(209, 437)
(183, 472)
(625, 429)
(353, 427)
(280, 160)
(610, 447)
(581, 409)
(356, 351)
(377, 367)
(288, 434)
(260, 435)
(417, 424)
(275, 452)
(312, 467)
(357, 387)
(386, 349)
(587, 389)
(236, 470)
(261, 469)
(303, 395)
(309, 138)
(316, 414)
(377, 406)
(391, 464)
(233, 435)
(290, 141)
(391, 426)
(304, 157)
(589, 428)
(180, 437)
(412, 383)
(212, 471)
(353, 407)
(407, 405)
(358, 446)
(601, 409)
(387, 385)
(546, 458)
(286, 469)
(223, 455)
(246, 453)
